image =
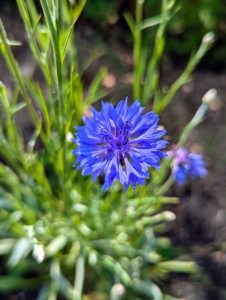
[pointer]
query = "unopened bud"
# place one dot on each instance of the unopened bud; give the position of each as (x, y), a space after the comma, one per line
(38, 252)
(117, 291)
(209, 96)
(208, 38)
(69, 137)
(170, 4)
(169, 216)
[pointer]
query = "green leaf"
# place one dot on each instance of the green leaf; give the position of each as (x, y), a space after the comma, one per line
(116, 268)
(55, 40)
(36, 24)
(79, 278)
(44, 292)
(152, 21)
(24, 13)
(98, 96)
(12, 43)
(33, 40)
(65, 286)
(5, 204)
(17, 107)
(34, 137)
(37, 94)
(56, 245)
(6, 245)
(9, 283)
(178, 266)
(15, 216)
(147, 289)
(68, 38)
(4, 96)
(68, 124)
(32, 11)
(7, 52)
(95, 85)
(20, 251)
(78, 9)
(154, 200)
(156, 20)
(129, 19)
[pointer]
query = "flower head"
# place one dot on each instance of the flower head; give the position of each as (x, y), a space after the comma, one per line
(121, 142)
(187, 164)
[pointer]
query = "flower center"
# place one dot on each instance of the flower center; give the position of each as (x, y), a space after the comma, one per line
(117, 140)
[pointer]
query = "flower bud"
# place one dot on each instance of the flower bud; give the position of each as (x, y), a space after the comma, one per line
(209, 96)
(117, 291)
(208, 38)
(38, 252)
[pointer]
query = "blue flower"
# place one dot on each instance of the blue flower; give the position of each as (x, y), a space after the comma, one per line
(121, 142)
(187, 164)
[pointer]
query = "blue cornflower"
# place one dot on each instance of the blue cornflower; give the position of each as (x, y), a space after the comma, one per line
(121, 142)
(187, 164)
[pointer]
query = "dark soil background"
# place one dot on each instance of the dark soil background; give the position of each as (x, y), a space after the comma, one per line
(200, 226)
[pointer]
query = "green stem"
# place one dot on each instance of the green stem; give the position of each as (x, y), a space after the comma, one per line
(124, 204)
(164, 188)
(137, 49)
(54, 28)
(198, 117)
(79, 277)
(55, 38)
(206, 44)
(33, 44)
(151, 80)
(15, 70)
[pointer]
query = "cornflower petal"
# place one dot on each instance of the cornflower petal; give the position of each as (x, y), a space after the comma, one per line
(187, 165)
(120, 142)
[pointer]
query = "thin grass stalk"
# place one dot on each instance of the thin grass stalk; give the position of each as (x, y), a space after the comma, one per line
(55, 38)
(79, 277)
(33, 44)
(151, 80)
(15, 70)
(137, 49)
(159, 107)
(197, 119)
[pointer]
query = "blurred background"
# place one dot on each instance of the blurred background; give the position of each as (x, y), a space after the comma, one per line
(200, 226)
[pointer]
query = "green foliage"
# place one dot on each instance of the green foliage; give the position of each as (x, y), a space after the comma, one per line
(203, 15)
(200, 14)
(146, 71)
(100, 11)
(58, 231)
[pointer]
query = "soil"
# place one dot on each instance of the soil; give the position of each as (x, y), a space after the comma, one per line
(200, 226)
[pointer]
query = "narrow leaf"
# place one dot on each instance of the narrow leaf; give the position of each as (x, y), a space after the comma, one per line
(17, 107)
(6, 245)
(178, 266)
(67, 41)
(56, 245)
(129, 19)
(153, 21)
(20, 251)
(12, 42)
